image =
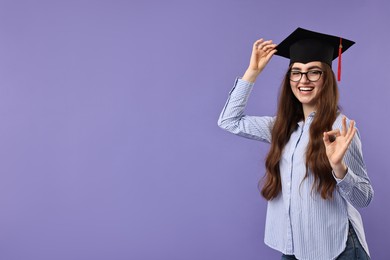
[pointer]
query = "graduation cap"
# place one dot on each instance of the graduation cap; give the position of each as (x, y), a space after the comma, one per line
(306, 46)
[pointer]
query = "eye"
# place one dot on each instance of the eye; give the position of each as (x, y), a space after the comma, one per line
(295, 73)
(314, 72)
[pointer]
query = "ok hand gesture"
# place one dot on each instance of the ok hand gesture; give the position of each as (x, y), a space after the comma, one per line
(336, 144)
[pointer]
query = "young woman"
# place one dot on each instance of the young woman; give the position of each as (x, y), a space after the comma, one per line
(315, 174)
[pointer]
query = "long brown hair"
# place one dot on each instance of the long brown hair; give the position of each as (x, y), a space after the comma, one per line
(289, 113)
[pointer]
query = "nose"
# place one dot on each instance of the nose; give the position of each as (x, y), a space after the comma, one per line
(304, 78)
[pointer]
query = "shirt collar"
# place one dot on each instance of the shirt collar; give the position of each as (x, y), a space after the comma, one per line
(309, 118)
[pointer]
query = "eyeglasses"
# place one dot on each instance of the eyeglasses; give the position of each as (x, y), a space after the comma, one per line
(311, 75)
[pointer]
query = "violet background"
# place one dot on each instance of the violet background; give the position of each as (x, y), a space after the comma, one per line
(109, 146)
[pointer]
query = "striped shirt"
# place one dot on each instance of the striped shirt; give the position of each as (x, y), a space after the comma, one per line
(298, 221)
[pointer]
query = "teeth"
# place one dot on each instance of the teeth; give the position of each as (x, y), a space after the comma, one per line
(306, 89)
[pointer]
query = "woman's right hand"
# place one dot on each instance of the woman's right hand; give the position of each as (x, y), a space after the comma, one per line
(262, 52)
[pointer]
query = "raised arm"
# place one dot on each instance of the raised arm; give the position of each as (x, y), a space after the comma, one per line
(232, 117)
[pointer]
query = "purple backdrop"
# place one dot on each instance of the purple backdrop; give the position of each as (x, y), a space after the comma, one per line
(109, 146)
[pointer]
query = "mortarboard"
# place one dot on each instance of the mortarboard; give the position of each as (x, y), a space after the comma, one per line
(305, 46)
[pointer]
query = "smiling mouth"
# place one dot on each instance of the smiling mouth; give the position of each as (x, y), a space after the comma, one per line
(305, 89)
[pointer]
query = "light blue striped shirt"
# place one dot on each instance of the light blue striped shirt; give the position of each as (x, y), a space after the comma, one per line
(299, 222)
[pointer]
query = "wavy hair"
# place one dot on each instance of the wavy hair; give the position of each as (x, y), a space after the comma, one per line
(289, 113)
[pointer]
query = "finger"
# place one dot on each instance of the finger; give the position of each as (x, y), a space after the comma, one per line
(264, 44)
(269, 47)
(344, 126)
(326, 139)
(335, 132)
(350, 138)
(270, 54)
(329, 138)
(257, 43)
(267, 43)
(351, 130)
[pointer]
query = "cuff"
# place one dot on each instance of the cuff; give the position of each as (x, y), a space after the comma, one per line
(242, 84)
(346, 183)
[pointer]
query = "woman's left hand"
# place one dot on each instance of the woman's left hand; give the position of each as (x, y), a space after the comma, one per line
(336, 144)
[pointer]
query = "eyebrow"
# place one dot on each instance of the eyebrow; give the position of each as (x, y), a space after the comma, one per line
(310, 68)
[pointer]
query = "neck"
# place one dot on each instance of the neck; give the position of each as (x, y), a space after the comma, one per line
(307, 110)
